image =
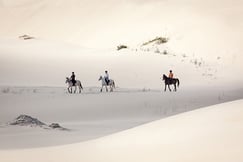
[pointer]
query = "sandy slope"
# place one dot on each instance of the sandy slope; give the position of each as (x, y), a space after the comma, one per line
(209, 32)
(93, 114)
(91, 22)
(42, 62)
(210, 134)
(205, 52)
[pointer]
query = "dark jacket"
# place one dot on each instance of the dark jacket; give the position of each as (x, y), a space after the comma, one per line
(73, 78)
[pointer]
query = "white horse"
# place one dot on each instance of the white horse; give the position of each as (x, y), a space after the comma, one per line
(70, 85)
(103, 83)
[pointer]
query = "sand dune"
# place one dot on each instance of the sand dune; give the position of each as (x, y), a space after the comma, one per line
(204, 32)
(92, 114)
(209, 134)
(42, 42)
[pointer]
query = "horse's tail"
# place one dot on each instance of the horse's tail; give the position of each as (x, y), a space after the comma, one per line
(178, 82)
(81, 85)
(114, 84)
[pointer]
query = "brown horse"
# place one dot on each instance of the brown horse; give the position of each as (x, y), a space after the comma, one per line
(169, 81)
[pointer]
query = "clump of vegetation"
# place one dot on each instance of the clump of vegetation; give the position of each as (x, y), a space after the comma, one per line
(157, 40)
(157, 50)
(26, 37)
(184, 55)
(165, 52)
(6, 90)
(145, 89)
(121, 47)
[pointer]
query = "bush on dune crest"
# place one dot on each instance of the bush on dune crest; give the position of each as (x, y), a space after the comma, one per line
(157, 40)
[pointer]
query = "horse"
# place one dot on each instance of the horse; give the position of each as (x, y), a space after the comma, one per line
(70, 85)
(103, 83)
(169, 81)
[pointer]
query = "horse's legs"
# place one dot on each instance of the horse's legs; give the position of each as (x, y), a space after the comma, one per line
(79, 88)
(101, 88)
(111, 89)
(106, 88)
(165, 87)
(175, 87)
(75, 89)
(68, 89)
(169, 87)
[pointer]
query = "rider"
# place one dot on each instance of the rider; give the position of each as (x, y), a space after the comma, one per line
(73, 78)
(107, 80)
(171, 74)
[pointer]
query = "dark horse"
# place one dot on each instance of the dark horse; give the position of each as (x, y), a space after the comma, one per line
(169, 81)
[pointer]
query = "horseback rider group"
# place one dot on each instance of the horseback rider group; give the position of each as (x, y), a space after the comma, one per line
(106, 76)
(168, 80)
(107, 80)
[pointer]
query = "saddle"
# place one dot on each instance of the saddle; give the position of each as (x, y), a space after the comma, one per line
(170, 80)
(74, 82)
(107, 81)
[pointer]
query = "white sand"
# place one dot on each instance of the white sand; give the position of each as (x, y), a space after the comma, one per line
(207, 32)
(93, 114)
(204, 51)
(210, 134)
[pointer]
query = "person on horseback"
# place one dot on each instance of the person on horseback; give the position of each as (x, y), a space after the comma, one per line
(171, 75)
(73, 78)
(107, 80)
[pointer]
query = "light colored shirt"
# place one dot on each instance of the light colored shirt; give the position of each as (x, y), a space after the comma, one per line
(106, 75)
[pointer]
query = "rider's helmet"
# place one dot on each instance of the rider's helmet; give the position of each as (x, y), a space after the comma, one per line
(170, 71)
(106, 71)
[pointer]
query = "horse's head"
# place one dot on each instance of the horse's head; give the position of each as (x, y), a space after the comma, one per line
(164, 76)
(100, 78)
(67, 80)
